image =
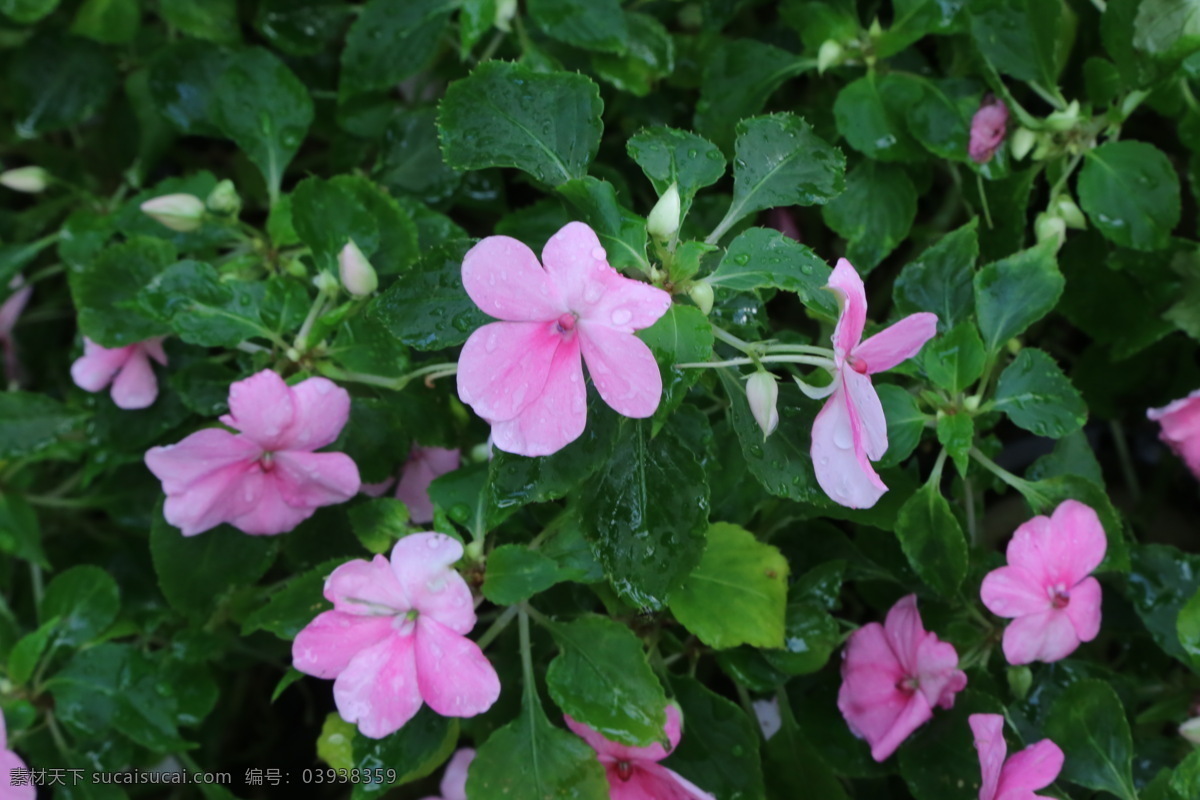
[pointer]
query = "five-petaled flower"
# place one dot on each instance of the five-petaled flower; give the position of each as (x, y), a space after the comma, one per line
(1180, 423)
(126, 368)
(1046, 589)
(1019, 777)
(396, 637)
(851, 431)
(634, 772)
(265, 479)
(988, 129)
(892, 677)
(12, 785)
(454, 779)
(523, 374)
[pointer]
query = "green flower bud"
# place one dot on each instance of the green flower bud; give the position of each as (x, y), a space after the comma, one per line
(830, 55)
(505, 11)
(702, 295)
(1064, 120)
(1021, 142)
(1066, 208)
(1050, 226)
(224, 200)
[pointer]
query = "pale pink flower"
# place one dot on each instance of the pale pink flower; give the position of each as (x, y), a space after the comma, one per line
(523, 375)
(126, 368)
(10, 312)
(9, 762)
(454, 780)
(634, 772)
(851, 431)
(1180, 422)
(892, 677)
(424, 465)
(266, 479)
(988, 128)
(1046, 589)
(396, 637)
(1033, 768)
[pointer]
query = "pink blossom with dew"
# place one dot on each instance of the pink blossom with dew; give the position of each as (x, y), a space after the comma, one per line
(523, 374)
(454, 780)
(851, 431)
(1046, 589)
(126, 368)
(988, 129)
(396, 638)
(1180, 428)
(265, 479)
(893, 675)
(634, 772)
(424, 465)
(10, 312)
(1019, 777)
(10, 762)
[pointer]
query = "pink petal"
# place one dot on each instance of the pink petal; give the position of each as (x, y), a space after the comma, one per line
(897, 343)
(377, 489)
(852, 297)
(423, 564)
(366, 588)
(10, 761)
(96, 367)
(325, 646)
(937, 672)
(913, 715)
(865, 403)
(623, 370)
(840, 464)
(1013, 592)
(378, 689)
(621, 752)
(10, 310)
(649, 781)
(1048, 636)
(261, 407)
(989, 743)
(269, 513)
(321, 409)
(454, 781)
(154, 349)
(868, 697)
(1180, 422)
(503, 367)
(424, 465)
(1062, 549)
(310, 480)
(556, 417)
(3, 734)
(1033, 768)
(454, 675)
(905, 632)
(1084, 609)
(204, 478)
(135, 385)
(988, 128)
(504, 279)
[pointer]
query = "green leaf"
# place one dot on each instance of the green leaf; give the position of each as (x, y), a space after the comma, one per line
(1014, 293)
(1187, 626)
(681, 336)
(670, 156)
(410, 160)
(938, 112)
(56, 82)
(85, 601)
(939, 761)
(956, 433)
(622, 232)
(379, 523)
(874, 214)
(20, 534)
(587, 24)
(1018, 37)
(214, 20)
(294, 604)
(1162, 584)
(31, 422)
(391, 40)
(1088, 722)
(302, 27)
(810, 637)
(26, 11)
(871, 118)
(327, 214)
(737, 594)
(649, 55)
(933, 541)
(516, 573)
(105, 291)
(264, 108)
(761, 257)
(602, 679)
(1072, 455)
(108, 21)
(1167, 28)
(202, 309)
(414, 751)
(427, 307)
(645, 512)
(955, 360)
(905, 423)
(719, 748)
(507, 115)
(183, 78)
(1038, 397)
(1131, 194)
(739, 76)
(27, 652)
(939, 280)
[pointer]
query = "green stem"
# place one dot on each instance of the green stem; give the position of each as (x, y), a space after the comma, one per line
(430, 373)
(729, 339)
(1020, 484)
(530, 692)
(972, 524)
(497, 627)
(1131, 479)
(315, 311)
(1062, 179)
(812, 361)
(801, 348)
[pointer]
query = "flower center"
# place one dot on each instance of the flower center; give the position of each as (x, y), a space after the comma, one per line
(1060, 596)
(857, 364)
(267, 462)
(566, 323)
(624, 770)
(908, 684)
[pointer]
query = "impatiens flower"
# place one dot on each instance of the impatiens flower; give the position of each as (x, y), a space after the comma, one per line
(11, 788)
(523, 375)
(851, 431)
(1046, 589)
(424, 465)
(1180, 422)
(634, 772)
(396, 637)
(10, 312)
(126, 368)
(988, 128)
(454, 780)
(892, 677)
(266, 479)
(1019, 777)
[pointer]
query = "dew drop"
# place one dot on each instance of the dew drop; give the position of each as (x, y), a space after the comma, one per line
(621, 316)
(598, 253)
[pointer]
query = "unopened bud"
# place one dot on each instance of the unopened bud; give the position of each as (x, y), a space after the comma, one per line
(1019, 681)
(702, 295)
(663, 220)
(357, 274)
(830, 55)
(179, 212)
(1021, 142)
(1064, 120)
(1049, 226)
(876, 30)
(971, 403)
(1066, 208)
(505, 11)
(763, 393)
(30, 180)
(1190, 730)
(224, 200)
(325, 282)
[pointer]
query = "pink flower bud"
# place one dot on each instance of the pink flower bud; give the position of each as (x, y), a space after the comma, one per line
(357, 274)
(988, 128)
(179, 212)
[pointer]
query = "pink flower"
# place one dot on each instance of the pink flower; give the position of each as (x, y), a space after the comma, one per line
(634, 772)
(523, 375)
(892, 677)
(126, 368)
(454, 780)
(1180, 423)
(1033, 768)
(10, 312)
(988, 128)
(265, 479)
(1046, 589)
(851, 430)
(396, 638)
(10, 762)
(423, 466)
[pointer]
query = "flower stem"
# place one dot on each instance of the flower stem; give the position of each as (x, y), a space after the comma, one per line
(729, 339)
(497, 627)
(1020, 484)
(826, 363)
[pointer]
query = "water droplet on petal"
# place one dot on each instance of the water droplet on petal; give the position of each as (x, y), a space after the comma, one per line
(621, 316)
(598, 253)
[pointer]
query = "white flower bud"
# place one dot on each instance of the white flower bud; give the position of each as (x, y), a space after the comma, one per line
(224, 199)
(1064, 120)
(505, 11)
(1190, 730)
(1021, 142)
(179, 212)
(325, 282)
(1050, 226)
(763, 393)
(1066, 208)
(702, 295)
(357, 274)
(30, 180)
(663, 220)
(830, 55)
